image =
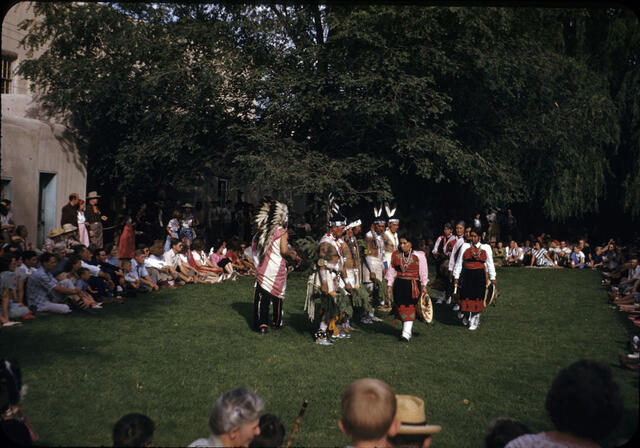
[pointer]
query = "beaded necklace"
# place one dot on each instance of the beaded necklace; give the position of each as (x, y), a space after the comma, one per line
(406, 260)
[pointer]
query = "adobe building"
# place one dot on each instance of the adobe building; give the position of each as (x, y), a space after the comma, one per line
(40, 163)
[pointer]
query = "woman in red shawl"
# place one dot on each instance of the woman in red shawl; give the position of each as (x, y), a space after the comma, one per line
(127, 244)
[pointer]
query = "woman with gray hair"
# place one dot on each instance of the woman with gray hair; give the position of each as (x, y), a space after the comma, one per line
(235, 419)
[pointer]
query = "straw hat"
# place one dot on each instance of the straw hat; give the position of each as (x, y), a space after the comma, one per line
(187, 205)
(56, 231)
(410, 413)
(68, 228)
(93, 195)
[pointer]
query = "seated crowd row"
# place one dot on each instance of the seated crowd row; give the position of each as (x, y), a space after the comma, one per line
(617, 263)
(556, 254)
(67, 275)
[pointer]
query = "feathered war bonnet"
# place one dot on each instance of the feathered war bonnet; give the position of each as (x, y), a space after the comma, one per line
(391, 213)
(271, 215)
(334, 217)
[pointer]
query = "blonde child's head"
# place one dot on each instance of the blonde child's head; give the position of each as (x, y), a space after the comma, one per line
(368, 409)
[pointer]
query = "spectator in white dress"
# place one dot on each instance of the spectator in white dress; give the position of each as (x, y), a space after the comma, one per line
(513, 254)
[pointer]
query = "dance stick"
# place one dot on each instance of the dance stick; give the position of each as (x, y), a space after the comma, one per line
(297, 423)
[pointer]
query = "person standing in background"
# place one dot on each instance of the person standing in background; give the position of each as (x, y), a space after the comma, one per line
(95, 219)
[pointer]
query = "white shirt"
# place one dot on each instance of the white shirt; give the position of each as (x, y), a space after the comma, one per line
(454, 252)
(634, 273)
(171, 258)
(580, 256)
(489, 266)
(515, 252)
(93, 269)
(211, 441)
(154, 261)
(199, 257)
(445, 243)
(174, 225)
(4, 220)
(187, 222)
(23, 272)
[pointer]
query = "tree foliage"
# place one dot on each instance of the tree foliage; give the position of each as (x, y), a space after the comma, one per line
(522, 105)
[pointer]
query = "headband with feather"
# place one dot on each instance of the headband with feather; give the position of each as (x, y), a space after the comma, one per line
(377, 215)
(390, 213)
(334, 217)
(271, 215)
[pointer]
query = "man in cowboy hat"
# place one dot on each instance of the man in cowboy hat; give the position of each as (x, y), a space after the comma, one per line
(413, 430)
(70, 241)
(94, 218)
(53, 237)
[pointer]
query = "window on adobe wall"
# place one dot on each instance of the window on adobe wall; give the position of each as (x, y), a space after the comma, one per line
(7, 74)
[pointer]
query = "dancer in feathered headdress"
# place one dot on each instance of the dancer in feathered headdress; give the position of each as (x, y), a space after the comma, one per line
(360, 299)
(326, 284)
(270, 252)
(373, 269)
(390, 235)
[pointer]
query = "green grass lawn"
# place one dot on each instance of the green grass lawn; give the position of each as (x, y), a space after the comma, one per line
(171, 354)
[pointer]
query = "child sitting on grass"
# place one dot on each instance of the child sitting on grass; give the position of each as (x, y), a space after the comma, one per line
(8, 290)
(368, 413)
(131, 280)
(87, 293)
(83, 281)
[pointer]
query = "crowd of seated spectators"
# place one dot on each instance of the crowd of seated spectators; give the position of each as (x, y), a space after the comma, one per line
(70, 271)
(544, 252)
(618, 264)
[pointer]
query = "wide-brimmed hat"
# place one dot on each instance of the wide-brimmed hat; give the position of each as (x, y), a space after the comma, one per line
(68, 228)
(187, 205)
(56, 231)
(410, 413)
(93, 195)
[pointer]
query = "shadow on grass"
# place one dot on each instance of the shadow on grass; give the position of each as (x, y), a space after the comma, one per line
(297, 321)
(245, 309)
(443, 314)
(300, 323)
(47, 346)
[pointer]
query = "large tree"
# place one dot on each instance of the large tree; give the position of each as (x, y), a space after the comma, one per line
(478, 107)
